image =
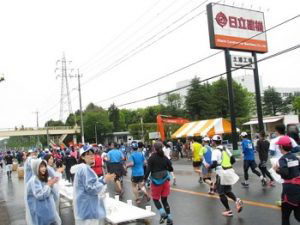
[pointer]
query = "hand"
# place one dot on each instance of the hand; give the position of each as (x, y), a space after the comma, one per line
(275, 167)
(52, 181)
(206, 166)
(60, 169)
(109, 177)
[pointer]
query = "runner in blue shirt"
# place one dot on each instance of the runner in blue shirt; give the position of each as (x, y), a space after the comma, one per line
(114, 161)
(249, 160)
(137, 162)
(206, 172)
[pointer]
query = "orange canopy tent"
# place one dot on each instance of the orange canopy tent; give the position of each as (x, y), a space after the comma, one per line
(203, 128)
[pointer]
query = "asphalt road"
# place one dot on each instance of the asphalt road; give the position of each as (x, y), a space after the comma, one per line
(190, 203)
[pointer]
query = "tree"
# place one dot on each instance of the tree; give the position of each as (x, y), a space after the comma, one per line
(296, 104)
(54, 123)
(272, 102)
(198, 101)
(114, 117)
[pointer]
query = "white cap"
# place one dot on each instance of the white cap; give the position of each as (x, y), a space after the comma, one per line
(217, 138)
(30, 151)
(86, 148)
(206, 139)
(244, 134)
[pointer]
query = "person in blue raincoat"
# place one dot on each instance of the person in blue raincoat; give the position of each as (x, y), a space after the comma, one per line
(40, 196)
(88, 206)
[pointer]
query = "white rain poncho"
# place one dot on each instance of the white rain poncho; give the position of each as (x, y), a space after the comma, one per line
(87, 202)
(40, 200)
(52, 173)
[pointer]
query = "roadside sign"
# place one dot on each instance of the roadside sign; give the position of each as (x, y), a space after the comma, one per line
(247, 62)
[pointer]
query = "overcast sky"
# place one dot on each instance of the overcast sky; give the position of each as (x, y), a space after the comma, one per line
(95, 34)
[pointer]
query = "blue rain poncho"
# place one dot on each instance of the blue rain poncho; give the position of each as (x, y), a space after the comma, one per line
(39, 200)
(87, 202)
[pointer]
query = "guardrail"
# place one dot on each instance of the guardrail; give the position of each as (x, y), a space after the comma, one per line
(40, 128)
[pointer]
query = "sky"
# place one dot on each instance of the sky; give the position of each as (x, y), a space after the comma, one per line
(95, 36)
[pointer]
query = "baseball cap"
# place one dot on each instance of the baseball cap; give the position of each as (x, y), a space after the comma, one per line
(216, 138)
(85, 149)
(244, 134)
(206, 139)
(284, 141)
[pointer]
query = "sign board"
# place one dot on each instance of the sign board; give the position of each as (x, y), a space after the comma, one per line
(154, 135)
(236, 28)
(238, 61)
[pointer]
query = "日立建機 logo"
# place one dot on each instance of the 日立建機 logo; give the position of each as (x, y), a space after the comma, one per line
(221, 19)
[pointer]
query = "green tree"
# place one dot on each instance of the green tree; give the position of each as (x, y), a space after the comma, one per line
(198, 101)
(296, 104)
(272, 102)
(54, 123)
(114, 117)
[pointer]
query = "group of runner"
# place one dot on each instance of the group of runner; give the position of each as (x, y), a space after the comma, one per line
(212, 161)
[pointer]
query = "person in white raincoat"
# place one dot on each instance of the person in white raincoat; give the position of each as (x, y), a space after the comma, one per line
(27, 165)
(88, 205)
(40, 196)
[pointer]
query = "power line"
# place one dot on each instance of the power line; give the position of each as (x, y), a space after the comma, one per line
(215, 76)
(132, 53)
(193, 63)
(141, 28)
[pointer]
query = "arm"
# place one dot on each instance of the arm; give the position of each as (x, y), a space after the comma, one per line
(149, 168)
(92, 185)
(283, 169)
(169, 165)
(40, 192)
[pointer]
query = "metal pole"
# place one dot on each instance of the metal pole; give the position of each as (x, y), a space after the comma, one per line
(47, 135)
(231, 100)
(80, 105)
(96, 133)
(258, 95)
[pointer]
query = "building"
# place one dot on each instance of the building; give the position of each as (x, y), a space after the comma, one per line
(285, 92)
(247, 81)
(162, 98)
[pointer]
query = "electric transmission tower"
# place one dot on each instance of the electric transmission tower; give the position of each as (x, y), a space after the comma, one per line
(64, 73)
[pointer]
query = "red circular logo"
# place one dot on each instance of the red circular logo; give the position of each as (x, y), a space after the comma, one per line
(221, 19)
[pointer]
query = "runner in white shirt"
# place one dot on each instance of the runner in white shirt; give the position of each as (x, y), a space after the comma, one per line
(274, 148)
(167, 151)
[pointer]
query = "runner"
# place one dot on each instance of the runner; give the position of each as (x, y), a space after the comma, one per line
(222, 160)
(136, 162)
(87, 204)
(288, 168)
(263, 152)
(114, 160)
(159, 167)
(8, 158)
(197, 153)
(207, 173)
(249, 160)
(1, 160)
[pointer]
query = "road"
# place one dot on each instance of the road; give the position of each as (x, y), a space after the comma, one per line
(190, 203)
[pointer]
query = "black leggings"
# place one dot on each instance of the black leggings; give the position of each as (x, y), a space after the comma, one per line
(286, 210)
(224, 199)
(265, 172)
(165, 203)
(250, 164)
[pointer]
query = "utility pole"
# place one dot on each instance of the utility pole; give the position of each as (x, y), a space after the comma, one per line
(37, 126)
(96, 138)
(80, 106)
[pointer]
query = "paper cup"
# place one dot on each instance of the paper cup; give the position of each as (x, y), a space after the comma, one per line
(117, 197)
(107, 195)
(148, 208)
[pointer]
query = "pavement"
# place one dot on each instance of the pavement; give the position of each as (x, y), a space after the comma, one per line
(189, 201)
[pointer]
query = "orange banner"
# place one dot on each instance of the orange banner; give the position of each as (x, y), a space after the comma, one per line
(223, 41)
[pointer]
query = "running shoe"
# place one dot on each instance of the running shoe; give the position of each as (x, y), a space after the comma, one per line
(264, 182)
(163, 217)
(271, 183)
(227, 213)
(200, 180)
(239, 205)
(246, 185)
(169, 221)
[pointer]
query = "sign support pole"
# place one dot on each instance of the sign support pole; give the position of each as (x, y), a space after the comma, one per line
(258, 95)
(230, 99)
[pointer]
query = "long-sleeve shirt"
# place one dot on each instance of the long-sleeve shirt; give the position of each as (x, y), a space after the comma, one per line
(263, 149)
(158, 164)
